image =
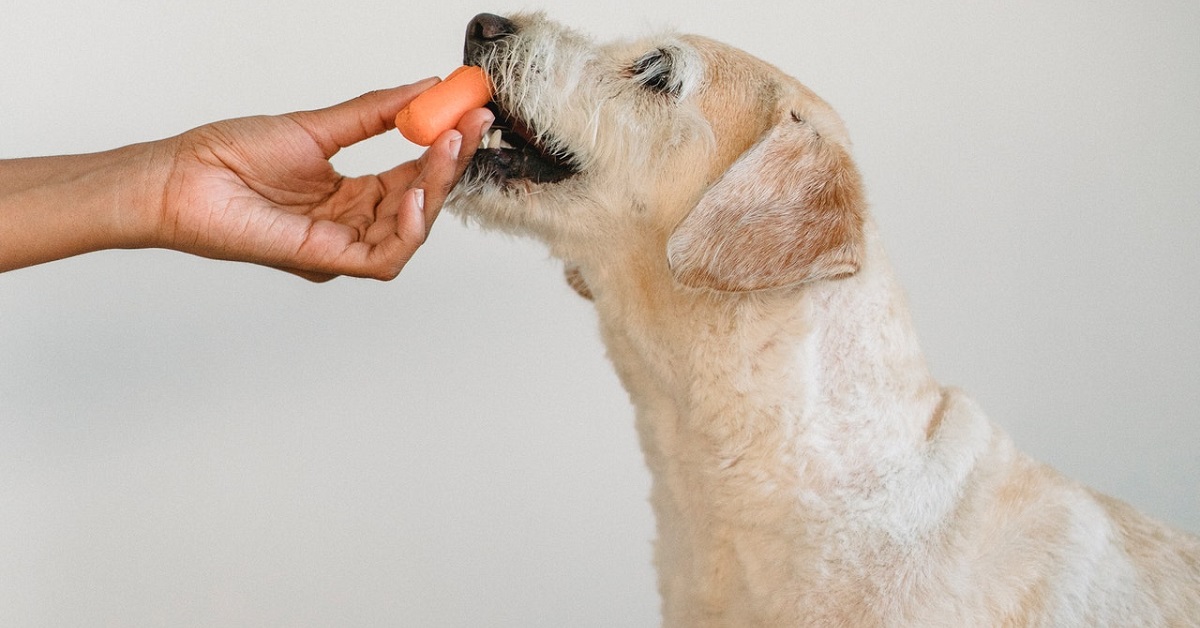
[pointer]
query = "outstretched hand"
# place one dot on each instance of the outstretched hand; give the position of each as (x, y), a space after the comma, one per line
(262, 189)
(257, 189)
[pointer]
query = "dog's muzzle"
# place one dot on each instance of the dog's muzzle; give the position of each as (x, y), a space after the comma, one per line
(513, 150)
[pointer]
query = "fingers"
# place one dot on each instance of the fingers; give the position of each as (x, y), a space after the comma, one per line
(331, 249)
(422, 198)
(387, 258)
(444, 162)
(416, 190)
(353, 121)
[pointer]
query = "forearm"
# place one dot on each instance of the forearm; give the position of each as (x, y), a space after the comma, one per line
(57, 207)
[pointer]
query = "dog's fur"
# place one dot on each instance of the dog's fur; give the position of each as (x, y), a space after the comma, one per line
(807, 468)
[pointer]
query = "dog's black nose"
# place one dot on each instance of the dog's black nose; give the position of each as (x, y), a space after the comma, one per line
(488, 27)
(484, 31)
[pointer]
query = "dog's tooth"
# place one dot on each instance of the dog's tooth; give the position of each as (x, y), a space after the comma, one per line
(496, 141)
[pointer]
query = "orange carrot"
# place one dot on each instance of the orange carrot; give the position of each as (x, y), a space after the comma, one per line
(440, 107)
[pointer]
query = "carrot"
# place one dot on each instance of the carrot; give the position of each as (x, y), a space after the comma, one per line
(439, 108)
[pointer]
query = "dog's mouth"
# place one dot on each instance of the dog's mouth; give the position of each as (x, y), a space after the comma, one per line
(515, 151)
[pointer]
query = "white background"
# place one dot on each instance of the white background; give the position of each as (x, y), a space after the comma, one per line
(186, 442)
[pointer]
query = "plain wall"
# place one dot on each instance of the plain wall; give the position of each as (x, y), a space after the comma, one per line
(186, 442)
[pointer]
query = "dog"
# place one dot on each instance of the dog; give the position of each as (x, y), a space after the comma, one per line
(807, 468)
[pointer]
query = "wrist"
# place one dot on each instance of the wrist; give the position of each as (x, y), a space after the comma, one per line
(136, 179)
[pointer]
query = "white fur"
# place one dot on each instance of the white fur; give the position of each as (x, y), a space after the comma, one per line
(808, 470)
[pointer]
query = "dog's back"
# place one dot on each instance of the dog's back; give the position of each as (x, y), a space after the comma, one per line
(1042, 550)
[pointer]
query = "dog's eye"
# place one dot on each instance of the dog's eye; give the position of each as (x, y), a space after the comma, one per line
(653, 71)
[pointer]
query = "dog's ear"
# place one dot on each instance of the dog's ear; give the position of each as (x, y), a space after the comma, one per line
(789, 210)
(575, 280)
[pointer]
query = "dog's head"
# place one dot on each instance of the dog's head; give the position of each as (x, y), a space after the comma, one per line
(737, 175)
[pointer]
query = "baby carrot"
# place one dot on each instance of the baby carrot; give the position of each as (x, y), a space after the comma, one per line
(439, 108)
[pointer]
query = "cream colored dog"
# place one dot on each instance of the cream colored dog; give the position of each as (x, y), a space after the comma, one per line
(808, 470)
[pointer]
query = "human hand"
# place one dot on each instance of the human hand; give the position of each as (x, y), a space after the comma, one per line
(262, 190)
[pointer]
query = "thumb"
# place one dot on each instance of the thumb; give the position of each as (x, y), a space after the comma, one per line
(353, 121)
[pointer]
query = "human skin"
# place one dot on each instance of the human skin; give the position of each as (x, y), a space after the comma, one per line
(259, 189)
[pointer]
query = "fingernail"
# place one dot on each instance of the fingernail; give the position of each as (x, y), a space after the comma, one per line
(486, 126)
(419, 197)
(455, 146)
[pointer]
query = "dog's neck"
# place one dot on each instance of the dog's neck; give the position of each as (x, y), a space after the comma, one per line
(817, 358)
(725, 382)
(764, 417)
